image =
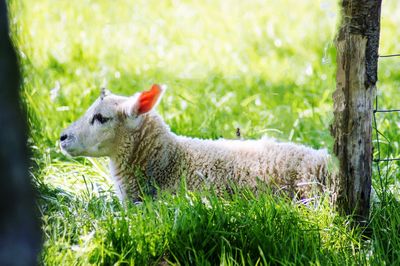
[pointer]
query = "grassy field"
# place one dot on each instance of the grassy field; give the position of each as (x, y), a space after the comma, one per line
(266, 67)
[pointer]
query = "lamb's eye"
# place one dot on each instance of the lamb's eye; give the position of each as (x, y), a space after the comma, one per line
(99, 117)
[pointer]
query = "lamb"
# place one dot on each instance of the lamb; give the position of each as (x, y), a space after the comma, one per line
(141, 146)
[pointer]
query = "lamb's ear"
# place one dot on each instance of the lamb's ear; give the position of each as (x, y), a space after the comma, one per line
(104, 92)
(145, 102)
(149, 99)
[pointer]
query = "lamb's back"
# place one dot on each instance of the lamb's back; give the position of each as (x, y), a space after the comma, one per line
(243, 162)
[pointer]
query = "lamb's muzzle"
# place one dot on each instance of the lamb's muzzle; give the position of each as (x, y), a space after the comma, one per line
(141, 146)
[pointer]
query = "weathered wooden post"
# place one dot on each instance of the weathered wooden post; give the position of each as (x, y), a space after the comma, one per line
(357, 57)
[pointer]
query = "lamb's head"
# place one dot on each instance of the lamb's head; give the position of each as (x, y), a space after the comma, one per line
(97, 133)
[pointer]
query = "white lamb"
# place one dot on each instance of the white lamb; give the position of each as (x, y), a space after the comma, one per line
(140, 144)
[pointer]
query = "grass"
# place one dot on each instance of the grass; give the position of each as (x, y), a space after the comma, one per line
(265, 67)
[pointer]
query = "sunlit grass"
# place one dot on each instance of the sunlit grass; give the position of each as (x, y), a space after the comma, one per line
(256, 64)
(266, 67)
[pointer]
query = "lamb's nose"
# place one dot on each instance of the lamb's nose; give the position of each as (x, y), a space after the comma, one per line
(63, 137)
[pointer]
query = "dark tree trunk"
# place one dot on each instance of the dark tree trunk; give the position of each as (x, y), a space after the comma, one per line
(19, 230)
(356, 76)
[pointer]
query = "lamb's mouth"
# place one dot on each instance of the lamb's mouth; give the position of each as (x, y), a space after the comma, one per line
(70, 148)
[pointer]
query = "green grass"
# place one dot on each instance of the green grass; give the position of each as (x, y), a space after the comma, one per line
(267, 67)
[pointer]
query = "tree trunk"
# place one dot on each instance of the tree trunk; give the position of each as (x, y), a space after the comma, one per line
(19, 230)
(357, 57)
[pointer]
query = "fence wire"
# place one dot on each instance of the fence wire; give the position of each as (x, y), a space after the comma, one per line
(378, 135)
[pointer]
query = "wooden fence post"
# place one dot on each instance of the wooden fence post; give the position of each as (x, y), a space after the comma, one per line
(357, 57)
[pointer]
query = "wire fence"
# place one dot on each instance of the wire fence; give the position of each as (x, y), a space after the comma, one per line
(383, 179)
